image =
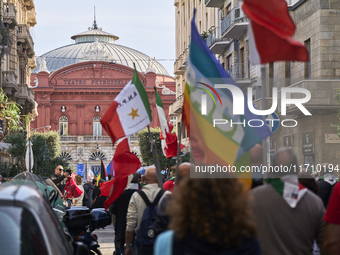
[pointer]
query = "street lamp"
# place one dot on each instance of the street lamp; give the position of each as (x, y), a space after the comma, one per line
(29, 153)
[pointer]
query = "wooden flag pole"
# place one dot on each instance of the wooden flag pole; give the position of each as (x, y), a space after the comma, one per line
(156, 159)
(178, 151)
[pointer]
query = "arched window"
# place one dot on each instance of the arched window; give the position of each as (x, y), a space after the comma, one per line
(65, 155)
(63, 125)
(97, 127)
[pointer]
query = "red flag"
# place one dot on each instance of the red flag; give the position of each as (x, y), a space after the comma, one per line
(71, 189)
(172, 145)
(270, 32)
(124, 163)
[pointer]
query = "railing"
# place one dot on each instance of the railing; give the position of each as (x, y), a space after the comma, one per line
(93, 138)
(176, 105)
(9, 77)
(239, 71)
(68, 138)
(215, 36)
(181, 60)
(236, 15)
(9, 13)
(24, 36)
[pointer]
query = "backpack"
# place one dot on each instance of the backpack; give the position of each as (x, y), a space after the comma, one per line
(145, 235)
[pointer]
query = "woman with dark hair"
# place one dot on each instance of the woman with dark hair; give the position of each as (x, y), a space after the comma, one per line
(98, 200)
(209, 216)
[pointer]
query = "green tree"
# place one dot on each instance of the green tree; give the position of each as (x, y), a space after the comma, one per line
(10, 114)
(46, 151)
(146, 153)
(17, 150)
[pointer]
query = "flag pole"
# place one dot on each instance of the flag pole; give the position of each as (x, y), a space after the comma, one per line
(156, 159)
(178, 150)
(264, 106)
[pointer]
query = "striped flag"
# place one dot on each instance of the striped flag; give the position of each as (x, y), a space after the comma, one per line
(270, 32)
(223, 144)
(129, 112)
(102, 174)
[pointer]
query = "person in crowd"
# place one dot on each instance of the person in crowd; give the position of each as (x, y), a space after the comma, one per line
(162, 221)
(88, 194)
(309, 182)
(79, 200)
(119, 208)
(137, 206)
(326, 183)
(2, 180)
(98, 200)
(169, 184)
(59, 178)
(288, 216)
(331, 244)
(209, 216)
(256, 160)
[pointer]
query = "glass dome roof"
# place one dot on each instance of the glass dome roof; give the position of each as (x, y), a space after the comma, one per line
(97, 45)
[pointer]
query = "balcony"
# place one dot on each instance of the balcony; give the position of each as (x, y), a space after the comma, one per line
(216, 44)
(180, 62)
(92, 138)
(240, 73)
(214, 3)
(235, 24)
(176, 107)
(9, 16)
(9, 82)
(25, 40)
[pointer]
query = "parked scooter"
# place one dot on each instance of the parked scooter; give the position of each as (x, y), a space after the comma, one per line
(81, 222)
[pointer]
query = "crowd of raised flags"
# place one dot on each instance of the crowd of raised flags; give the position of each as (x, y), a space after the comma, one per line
(270, 31)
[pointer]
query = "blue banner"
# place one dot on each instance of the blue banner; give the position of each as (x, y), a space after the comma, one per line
(80, 169)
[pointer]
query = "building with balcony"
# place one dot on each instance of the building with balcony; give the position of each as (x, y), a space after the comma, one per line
(206, 20)
(317, 26)
(17, 55)
(75, 84)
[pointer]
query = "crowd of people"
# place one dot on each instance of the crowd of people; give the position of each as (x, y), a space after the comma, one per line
(285, 214)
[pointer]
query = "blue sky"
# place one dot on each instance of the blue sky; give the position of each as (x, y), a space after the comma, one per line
(147, 26)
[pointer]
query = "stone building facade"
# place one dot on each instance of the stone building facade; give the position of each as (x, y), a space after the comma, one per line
(18, 57)
(75, 84)
(318, 27)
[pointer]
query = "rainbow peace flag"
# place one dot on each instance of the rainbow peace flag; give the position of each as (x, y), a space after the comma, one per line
(222, 144)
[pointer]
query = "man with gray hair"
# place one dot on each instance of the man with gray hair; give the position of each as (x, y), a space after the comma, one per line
(136, 209)
(288, 216)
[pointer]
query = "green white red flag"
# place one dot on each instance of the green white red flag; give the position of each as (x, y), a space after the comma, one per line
(129, 112)
(289, 188)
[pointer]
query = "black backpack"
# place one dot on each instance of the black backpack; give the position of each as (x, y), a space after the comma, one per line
(146, 235)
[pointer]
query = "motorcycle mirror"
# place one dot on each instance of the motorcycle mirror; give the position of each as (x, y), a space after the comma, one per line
(52, 196)
(81, 249)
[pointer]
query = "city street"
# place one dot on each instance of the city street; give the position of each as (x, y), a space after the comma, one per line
(105, 239)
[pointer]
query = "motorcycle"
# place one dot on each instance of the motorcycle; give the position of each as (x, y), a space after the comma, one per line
(81, 222)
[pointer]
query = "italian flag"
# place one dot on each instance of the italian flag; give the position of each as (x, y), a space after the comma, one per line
(162, 120)
(129, 112)
(270, 32)
(289, 188)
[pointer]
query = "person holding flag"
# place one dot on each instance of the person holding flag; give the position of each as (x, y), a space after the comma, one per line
(168, 140)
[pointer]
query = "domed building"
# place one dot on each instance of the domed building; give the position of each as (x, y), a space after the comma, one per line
(75, 84)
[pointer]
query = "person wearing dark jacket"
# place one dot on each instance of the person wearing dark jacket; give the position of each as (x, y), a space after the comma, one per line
(98, 200)
(119, 208)
(326, 184)
(162, 221)
(59, 178)
(88, 189)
